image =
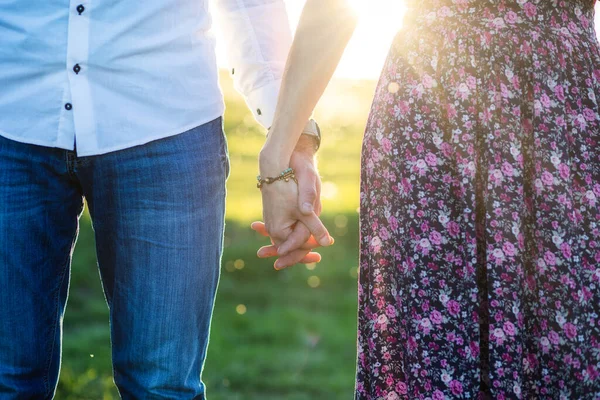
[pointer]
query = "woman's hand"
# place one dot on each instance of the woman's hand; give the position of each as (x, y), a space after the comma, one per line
(303, 255)
(290, 211)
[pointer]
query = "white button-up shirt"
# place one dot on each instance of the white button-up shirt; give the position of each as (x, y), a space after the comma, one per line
(105, 75)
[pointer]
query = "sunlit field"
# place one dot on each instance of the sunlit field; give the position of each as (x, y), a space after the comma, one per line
(275, 335)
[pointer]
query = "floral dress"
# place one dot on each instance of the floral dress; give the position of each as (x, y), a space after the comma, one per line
(480, 201)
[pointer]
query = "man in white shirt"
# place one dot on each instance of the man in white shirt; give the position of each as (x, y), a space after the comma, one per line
(118, 102)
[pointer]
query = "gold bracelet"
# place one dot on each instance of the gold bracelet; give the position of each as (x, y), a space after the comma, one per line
(286, 175)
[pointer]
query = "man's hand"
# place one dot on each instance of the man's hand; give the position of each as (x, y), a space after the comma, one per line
(303, 162)
(290, 212)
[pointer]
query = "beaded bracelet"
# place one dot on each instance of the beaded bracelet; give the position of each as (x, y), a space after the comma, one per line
(286, 175)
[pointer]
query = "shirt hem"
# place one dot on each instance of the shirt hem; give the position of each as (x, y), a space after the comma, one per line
(123, 146)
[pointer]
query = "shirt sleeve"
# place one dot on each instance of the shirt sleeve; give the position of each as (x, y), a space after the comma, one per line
(257, 37)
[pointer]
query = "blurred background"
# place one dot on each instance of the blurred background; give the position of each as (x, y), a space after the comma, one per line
(275, 335)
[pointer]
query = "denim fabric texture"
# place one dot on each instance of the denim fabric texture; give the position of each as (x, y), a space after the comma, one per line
(158, 216)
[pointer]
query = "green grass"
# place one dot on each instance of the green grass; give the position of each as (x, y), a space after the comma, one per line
(295, 340)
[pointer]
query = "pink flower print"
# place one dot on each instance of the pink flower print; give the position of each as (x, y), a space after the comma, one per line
(390, 310)
(504, 91)
(554, 337)
(592, 372)
(421, 167)
(545, 343)
(403, 107)
(401, 388)
(463, 91)
(472, 82)
(570, 330)
(453, 228)
(392, 395)
(428, 81)
(550, 258)
(590, 197)
(424, 244)
(509, 249)
(509, 328)
(376, 244)
(384, 233)
(547, 178)
(565, 248)
(390, 381)
(431, 159)
(474, 347)
(446, 149)
(438, 395)
(589, 114)
(498, 254)
(435, 237)
(426, 325)
(559, 92)
(530, 10)
(511, 17)
(445, 12)
(453, 307)
(436, 317)
(545, 100)
(387, 145)
(498, 23)
(507, 169)
(564, 171)
(456, 387)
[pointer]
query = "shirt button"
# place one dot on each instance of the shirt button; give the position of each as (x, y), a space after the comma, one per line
(68, 106)
(76, 68)
(80, 9)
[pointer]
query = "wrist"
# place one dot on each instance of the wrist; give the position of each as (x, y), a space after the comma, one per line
(272, 162)
(306, 145)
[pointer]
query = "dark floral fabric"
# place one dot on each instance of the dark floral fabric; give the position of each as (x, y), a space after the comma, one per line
(480, 201)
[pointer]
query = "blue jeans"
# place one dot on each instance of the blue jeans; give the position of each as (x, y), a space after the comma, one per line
(158, 216)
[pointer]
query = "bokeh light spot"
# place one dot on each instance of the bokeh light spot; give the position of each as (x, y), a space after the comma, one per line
(314, 281)
(329, 190)
(241, 309)
(341, 221)
(229, 266)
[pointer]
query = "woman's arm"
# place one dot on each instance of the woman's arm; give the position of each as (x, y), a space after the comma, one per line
(323, 32)
(322, 35)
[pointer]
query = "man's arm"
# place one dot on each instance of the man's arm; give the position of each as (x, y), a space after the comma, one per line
(257, 37)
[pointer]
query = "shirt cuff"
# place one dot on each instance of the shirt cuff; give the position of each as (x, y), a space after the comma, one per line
(262, 103)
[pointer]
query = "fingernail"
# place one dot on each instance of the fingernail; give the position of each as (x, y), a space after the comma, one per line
(279, 266)
(307, 207)
(281, 252)
(332, 241)
(325, 241)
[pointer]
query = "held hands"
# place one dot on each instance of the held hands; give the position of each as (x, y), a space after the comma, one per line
(291, 212)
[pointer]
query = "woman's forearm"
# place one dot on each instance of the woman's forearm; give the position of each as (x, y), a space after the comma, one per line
(322, 35)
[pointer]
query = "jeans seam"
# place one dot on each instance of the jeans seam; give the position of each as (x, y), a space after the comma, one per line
(224, 151)
(53, 330)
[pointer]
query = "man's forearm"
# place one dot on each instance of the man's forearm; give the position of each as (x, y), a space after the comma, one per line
(322, 35)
